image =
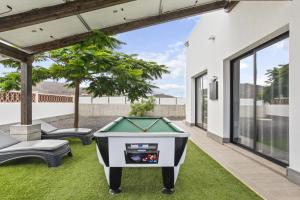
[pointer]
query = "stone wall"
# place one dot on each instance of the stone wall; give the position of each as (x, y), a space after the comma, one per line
(94, 110)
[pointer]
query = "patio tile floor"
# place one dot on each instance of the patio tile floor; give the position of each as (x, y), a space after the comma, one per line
(265, 178)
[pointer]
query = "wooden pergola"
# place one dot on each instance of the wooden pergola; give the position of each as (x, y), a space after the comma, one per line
(29, 27)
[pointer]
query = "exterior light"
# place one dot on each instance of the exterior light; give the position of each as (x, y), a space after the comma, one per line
(187, 44)
(212, 38)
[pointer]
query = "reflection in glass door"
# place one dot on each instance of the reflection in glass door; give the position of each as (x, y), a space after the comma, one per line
(243, 106)
(260, 100)
(201, 101)
(272, 99)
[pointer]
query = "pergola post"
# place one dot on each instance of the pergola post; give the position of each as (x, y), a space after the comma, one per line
(26, 92)
(26, 130)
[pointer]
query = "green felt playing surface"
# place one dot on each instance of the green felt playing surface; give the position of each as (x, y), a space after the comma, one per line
(142, 125)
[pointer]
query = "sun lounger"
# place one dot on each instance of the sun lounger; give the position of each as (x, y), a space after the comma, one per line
(51, 151)
(51, 132)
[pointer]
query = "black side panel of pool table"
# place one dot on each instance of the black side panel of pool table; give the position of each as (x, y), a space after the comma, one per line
(180, 143)
(103, 148)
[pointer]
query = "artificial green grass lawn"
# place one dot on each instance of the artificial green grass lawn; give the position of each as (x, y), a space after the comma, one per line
(82, 177)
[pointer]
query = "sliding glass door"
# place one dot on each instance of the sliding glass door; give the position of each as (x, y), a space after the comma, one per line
(201, 101)
(260, 100)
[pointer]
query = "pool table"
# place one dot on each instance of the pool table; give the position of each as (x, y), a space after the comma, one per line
(141, 142)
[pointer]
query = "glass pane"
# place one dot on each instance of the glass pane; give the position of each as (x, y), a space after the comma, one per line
(201, 101)
(205, 101)
(243, 105)
(273, 101)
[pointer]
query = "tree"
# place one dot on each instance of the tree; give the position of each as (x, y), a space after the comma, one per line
(12, 80)
(140, 109)
(106, 72)
(277, 83)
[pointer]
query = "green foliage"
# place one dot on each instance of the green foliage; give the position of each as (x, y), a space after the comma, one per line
(139, 109)
(277, 83)
(9, 63)
(105, 71)
(12, 80)
(95, 62)
(121, 74)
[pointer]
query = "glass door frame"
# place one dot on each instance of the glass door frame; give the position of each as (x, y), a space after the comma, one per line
(254, 53)
(204, 73)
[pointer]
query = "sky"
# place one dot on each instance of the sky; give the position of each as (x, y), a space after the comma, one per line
(163, 44)
(267, 58)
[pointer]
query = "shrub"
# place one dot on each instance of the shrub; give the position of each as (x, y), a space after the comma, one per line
(139, 109)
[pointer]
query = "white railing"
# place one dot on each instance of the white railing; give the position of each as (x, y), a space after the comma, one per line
(124, 100)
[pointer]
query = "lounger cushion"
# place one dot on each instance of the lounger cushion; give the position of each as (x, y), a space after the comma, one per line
(7, 140)
(41, 145)
(81, 131)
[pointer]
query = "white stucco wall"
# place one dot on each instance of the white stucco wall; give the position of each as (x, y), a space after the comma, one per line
(246, 27)
(294, 86)
(10, 112)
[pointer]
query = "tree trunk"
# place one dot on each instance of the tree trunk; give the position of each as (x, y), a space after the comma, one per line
(76, 104)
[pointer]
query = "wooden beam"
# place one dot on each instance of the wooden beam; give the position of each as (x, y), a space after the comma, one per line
(45, 14)
(26, 91)
(230, 6)
(129, 26)
(12, 52)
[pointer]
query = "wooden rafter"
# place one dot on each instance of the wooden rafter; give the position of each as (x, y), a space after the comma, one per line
(45, 14)
(231, 5)
(13, 53)
(129, 26)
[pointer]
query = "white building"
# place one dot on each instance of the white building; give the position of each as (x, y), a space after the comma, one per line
(241, 50)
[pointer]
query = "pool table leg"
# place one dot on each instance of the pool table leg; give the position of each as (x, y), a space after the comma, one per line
(168, 180)
(115, 175)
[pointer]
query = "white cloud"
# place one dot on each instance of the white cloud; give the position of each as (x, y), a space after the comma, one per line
(171, 86)
(173, 58)
(283, 45)
(174, 89)
(244, 65)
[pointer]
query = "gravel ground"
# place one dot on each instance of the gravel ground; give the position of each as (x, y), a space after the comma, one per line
(94, 123)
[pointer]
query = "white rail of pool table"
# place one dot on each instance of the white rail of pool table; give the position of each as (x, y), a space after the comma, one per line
(141, 134)
(103, 133)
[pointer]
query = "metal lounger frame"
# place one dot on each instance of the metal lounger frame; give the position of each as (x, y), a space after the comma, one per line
(86, 139)
(52, 158)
